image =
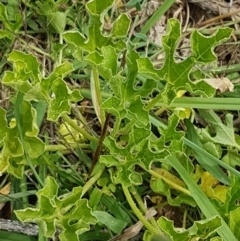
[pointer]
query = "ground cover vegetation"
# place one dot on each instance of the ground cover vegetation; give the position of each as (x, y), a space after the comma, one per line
(106, 135)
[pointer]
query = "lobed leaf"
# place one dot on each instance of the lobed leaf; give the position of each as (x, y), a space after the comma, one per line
(70, 214)
(121, 26)
(10, 25)
(223, 134)
(60, 103)
(126, 101)
(200, 229)
(12, 154)
(125, 155)
(176, 74)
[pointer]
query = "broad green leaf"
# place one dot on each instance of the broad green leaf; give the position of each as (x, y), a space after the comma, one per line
(202, 46)
(205, 228)
(26, 72)
(12, 9)
(234, 222)
(216, 239)
(56, 18)
(47, 7)
(95, 7)
(232, 158)
(59, 72)
(70, 213)
(96, 39)
(127, 99)
(171, 138)
(60, 103)
(9, 25)
(58, 21)
(176, 74)
(114, 224)
(12, 155)
(109, 62)
(129, 152)
(16, 166)
(5, 34)
(200, 229)
(121, 26)
(3, 123)
(29, 130)
(106, 63)
(223, 133)
(214, 149)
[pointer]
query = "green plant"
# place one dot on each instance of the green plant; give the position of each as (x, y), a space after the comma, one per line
(132, 152)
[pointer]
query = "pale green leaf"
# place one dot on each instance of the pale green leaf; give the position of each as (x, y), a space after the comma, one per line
(121, 26)
(176, 74)
(95, 7)
(58, 21)
(10, 25)
(234, 222)
(219, 133)
(70, 213)
(114, 224)
(60, 103)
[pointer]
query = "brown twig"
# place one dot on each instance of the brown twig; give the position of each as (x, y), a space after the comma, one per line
(100, 143)
(220, 17)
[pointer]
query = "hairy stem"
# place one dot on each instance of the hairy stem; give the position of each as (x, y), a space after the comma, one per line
(137, 211)
(92, 180)
(142, 206)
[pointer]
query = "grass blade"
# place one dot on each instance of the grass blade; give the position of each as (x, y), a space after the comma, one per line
(205, 162)
(204, 103)
(211, 157)
(155, 17)
(201, 199)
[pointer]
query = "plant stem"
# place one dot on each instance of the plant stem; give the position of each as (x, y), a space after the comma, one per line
(61, 148)
(86, 93)
(172, 184)
(23, 187)
(92, 180)
(184, 218)
(38, 50)
(137, 211)
(79, 129)
(142, 206)
(153, 102)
